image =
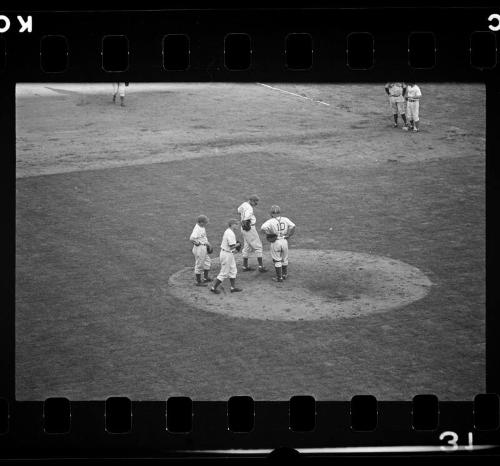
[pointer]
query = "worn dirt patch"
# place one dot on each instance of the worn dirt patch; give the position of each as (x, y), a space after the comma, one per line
(322, 284)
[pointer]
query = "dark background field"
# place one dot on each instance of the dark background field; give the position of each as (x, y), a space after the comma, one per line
(106, 198)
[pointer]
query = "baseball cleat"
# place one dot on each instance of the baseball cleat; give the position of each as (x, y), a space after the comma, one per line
(200, 284)
(395, 125)
(207, 280)
(285, 277)
(415, 130)
(215, 290)
(247, 269)
(234, 290)
(262, 269)
(278, 279)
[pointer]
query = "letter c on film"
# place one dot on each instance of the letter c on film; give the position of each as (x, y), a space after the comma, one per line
(494, 17)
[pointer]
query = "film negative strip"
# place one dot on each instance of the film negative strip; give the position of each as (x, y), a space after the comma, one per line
(261, 233)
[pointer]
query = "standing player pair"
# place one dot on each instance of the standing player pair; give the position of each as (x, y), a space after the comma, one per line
(404, 100)
(202, 248)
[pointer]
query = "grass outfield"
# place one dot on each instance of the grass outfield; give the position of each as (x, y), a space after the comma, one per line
(106, 198)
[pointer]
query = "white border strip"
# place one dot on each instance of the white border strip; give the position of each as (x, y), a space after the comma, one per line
(387, 449)
(296, 95)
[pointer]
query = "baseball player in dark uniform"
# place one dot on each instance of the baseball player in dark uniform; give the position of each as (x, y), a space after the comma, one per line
(396, 93)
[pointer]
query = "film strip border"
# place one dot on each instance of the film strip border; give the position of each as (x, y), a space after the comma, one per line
(255, 45)
(179, 425)
(348, 45)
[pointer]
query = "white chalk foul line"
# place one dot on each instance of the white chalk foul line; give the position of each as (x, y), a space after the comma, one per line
(296, 95)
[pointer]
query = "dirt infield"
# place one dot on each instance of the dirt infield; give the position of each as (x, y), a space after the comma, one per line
(106, 198)
(322, 285)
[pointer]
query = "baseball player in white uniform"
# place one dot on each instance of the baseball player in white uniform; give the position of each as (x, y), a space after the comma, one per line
(119, 88)
(396, 93)
(201, 245)
(413, 95)
(280, 228)
(228, 248)
(251, 239)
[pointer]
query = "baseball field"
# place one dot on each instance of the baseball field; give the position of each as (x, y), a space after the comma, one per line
(386, 294)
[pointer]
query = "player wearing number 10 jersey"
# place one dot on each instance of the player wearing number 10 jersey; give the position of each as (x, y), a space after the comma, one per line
(280, 228)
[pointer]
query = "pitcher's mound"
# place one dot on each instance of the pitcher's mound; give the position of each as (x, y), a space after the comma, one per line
(324, 284)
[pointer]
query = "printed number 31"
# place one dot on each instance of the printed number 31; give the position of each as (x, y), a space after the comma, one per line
(452, 441)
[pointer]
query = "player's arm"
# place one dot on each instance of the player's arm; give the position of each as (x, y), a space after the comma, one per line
(419, 93)
(235, 247)
(194, 238)
(387, 89)
(291, 232)
(246, 214)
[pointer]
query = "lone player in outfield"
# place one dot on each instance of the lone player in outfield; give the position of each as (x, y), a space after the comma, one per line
(396, 93)
(251, 239)
(228, 247)
(413, 95)
(200, 242)
(280, 228)
(119, 88)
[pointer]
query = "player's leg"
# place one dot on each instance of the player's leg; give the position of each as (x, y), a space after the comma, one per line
(207, 263)
(394, 107)
(276, 256)
(246, 250)
(115, 91)
(121, 87)
(284, 255)
(411, 115)
(402, 111)
(232, 275)
(416, 116)
(223, 273)
(198, 264)
(256, 245)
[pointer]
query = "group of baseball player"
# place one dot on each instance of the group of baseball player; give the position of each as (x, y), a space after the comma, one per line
(405, 100)
(277, 230)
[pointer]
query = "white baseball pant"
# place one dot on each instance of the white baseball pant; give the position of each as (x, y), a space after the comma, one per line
(119, 88)
(227, 266)
(279, 252)
(201, 259)
(251, 243)
(397, 105)
(412, 110)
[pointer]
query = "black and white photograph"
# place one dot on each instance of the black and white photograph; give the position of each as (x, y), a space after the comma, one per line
(266, 239)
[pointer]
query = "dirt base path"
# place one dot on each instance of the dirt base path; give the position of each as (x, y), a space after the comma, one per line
(325, 284)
